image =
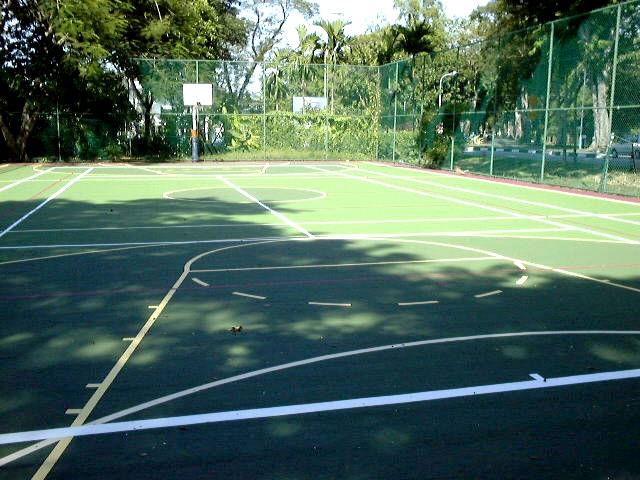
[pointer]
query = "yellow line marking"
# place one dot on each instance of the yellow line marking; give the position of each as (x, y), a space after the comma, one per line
(48, 257)
(325, 304)
(72, 411)
(488, 294)
(93, 385)
(128, 339)
(200, 282)
(522, 279)
(428, 302)
(62, 445)
(240, 294)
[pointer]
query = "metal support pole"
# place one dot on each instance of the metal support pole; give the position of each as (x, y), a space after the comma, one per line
(605, 167)
(395, 113)
(495, 118)
(378, 109)
(546, 108)
(58, 129)
(326, 111)
(584, 84)
(264, 114)
(194, 134)
(197, 73)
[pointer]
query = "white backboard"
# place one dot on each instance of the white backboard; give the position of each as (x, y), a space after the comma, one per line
(300, 104)
(197, 93)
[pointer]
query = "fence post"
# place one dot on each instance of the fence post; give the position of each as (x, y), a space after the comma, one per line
(264, 114)
(614, 71)
(395, 113)
(326, 111)
(58, 129)
(546, 107)
(495, 118)
(197, 73)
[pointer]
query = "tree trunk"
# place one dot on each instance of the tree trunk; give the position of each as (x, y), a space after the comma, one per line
(601, 122)
(18, 144)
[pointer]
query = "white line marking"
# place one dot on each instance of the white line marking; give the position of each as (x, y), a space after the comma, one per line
(356, 236)
(190, 391)
(428, 302)
(18, 182)
(92, 385)
(472, 204)
(266, 207)
(200, 282)
(152, 306)
(319, 194)
(326, 304)
(240, 294)
(72, 411)
(300, 409)
(537, 377)
(4, 165)
(128, 339)
(520, 265)
(338, 222)
(52, 197)
(488, 294)
(338, 265)
(522, 280)
(518, 186)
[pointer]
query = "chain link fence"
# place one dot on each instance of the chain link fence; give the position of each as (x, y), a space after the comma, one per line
(557, 103)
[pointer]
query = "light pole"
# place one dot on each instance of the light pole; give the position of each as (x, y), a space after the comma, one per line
(450, 74)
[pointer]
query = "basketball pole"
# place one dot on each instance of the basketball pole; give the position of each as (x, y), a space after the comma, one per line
(194, 133)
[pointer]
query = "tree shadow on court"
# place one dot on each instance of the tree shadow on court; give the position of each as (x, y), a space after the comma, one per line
(66, 321)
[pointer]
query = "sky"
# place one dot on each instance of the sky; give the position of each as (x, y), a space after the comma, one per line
(365, 13)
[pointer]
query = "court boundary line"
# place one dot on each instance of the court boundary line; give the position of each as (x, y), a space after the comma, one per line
(480, 206)
(53, 196)
(497, 180)
(277, 214)
(537, 382)
(507, 198)
(336, 222)
(193, 390)
(346, 236)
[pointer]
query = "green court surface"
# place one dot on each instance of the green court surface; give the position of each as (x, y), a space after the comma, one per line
(314, 321)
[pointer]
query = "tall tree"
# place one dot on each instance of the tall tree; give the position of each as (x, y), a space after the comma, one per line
(47, 46)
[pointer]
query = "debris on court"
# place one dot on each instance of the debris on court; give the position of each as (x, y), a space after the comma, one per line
(236, 329)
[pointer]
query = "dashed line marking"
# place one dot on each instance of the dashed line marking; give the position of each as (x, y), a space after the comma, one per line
(537, 376)
(200, 282)
(327, 304)
(488, 294)
(427, 302)
(128, 339)
(520, 265)
(72, 411)
(522, 280)
(92, 385)
(153, 306)
(248, 295)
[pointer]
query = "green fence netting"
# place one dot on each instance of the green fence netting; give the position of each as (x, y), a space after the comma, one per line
(557, 103)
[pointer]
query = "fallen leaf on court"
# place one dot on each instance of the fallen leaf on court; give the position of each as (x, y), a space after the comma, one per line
(236, 329)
